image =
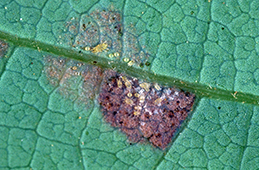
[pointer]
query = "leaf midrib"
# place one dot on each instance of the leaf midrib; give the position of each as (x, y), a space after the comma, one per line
(199, 89)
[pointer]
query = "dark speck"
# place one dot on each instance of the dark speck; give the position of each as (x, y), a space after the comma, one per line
(147, 63)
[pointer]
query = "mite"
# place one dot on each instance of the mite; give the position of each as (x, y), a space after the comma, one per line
(99, 48)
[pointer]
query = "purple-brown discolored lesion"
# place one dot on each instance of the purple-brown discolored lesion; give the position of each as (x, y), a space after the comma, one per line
(142, 110)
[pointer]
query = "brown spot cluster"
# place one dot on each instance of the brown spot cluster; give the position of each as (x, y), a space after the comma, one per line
(73, 76)
(103, 31)
(100, 27)
(54, 69)
(3, 48)
(142, 110)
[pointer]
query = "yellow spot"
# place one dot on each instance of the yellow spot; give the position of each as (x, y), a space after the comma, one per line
(74, 68)
(128, 101)
(111, 55)
(145, 86)
(137, 108)
(79, 117)
(157, 87)
(116, 54)
(129, 94)
(157, 101)
(136, 95)
(126, 60)
(39, 49)
(141, 99)
(87, 48)
(100, 48)
(130, 63)
(119, 83)
(128, 84)
(136, 113)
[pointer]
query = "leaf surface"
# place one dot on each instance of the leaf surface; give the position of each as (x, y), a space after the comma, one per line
(49, 115)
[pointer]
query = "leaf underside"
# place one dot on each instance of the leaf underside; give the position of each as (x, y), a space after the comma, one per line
(53, 67)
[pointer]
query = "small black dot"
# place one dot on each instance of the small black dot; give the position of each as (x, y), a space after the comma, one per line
(147, 63)
(219, 108)
(94, 62)
(147, 116)
(222, 28)
(80, 51)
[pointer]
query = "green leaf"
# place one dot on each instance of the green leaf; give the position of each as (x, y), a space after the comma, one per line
(49, 115)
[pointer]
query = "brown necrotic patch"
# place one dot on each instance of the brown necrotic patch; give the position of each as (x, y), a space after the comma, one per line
(142, 110)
